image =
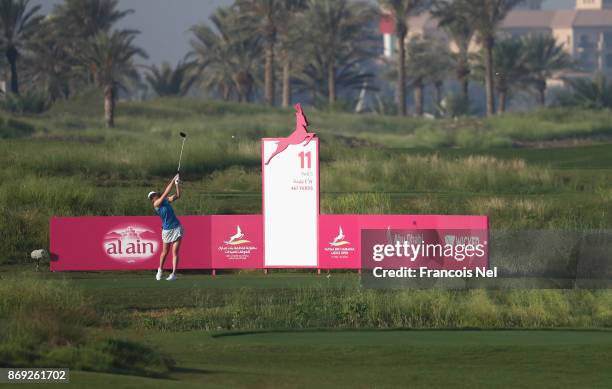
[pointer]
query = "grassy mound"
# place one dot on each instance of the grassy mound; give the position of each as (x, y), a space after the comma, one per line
(51, 324)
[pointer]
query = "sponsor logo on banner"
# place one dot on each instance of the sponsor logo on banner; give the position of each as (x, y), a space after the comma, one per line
(131, 243)
(340, 247)
(237, 238)
(462, 239)
(394, 237)
(237, 246)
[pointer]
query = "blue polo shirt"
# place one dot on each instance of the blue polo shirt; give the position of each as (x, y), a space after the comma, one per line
(169, 220)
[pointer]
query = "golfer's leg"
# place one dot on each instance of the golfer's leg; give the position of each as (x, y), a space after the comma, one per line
(164, 254)
(176, 246)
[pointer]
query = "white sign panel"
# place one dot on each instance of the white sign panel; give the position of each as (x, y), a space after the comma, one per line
(291, 203)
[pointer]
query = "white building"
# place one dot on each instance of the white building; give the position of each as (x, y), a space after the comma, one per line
(585, 31)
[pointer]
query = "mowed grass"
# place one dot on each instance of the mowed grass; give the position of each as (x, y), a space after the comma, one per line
(375, 359)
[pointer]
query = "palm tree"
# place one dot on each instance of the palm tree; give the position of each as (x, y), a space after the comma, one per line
(485, 16)
(83, 19)
(110, 57)
(456, 23)
(264, 17)
(225, 55)
(290, 45)
(401, 10)
(350, 75)
(337, 28)
(544, 57)
(76, 21)
(511, 69)
(19, 23)
(49, 64)
(212, 55)
(169, 81)
(589, 94)
(417, 67)
(439, 67)
(428, 61)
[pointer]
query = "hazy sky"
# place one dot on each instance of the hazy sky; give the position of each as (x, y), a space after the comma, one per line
(164, 23)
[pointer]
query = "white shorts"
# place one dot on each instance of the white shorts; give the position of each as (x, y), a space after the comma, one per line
(169, 236)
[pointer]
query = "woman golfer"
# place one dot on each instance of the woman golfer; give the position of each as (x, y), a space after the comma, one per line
(172, 230)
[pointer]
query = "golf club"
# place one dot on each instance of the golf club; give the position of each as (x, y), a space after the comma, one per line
(184, 136)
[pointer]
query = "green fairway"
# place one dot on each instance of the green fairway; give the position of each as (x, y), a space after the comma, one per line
(140, 291)
(376, 359)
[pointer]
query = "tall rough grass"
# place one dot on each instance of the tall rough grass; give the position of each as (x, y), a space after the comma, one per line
(405, 172)
(357, 308)
(357, 203)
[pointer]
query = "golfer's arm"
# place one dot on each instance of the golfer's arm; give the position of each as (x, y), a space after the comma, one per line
(165, 194)
(177, 195)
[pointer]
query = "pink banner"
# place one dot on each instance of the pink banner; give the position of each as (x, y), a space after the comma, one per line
(236, 241)
(339, 241)
(124, 243)
(340, 245)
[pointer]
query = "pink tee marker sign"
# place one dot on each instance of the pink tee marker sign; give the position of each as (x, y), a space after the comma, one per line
(290, 174)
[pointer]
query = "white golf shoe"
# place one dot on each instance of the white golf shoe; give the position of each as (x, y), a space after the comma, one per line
(171, 277)
(158, 276)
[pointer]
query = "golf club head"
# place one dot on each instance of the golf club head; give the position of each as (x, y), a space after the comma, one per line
(183, 135)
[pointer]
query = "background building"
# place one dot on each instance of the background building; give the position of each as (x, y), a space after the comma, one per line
(585, 31)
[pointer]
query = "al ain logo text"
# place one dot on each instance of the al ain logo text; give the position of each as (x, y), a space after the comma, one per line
(131, 243)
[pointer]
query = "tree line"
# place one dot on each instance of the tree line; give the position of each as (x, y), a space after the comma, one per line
(273, 49)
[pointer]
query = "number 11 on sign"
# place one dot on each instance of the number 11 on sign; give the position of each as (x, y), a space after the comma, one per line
(305, 156)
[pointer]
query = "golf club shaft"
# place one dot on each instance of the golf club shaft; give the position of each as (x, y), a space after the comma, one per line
(180, 156)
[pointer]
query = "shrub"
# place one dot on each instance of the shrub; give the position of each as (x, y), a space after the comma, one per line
(587, 93)
(28, 103)
(110, 355)
(11, 128)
